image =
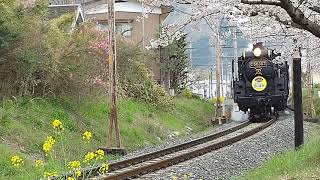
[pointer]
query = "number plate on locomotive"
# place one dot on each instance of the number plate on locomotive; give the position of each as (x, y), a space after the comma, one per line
(257, 64)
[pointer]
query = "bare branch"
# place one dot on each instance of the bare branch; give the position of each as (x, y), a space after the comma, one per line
(299, 20)
(315, 9)
(262, 2)
(288, 23)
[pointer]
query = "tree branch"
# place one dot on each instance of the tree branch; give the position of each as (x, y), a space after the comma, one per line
(288, 23)
(315, 9)
(299, 20)
(262, 2)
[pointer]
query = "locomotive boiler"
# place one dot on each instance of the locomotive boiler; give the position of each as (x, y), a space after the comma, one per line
(260, 83)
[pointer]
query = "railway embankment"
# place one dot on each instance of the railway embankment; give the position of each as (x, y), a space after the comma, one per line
(25, 124)
(246, 159)
(293, 164)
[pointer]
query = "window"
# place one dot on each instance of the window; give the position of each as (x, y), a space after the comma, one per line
(103, 26)
(124, 29)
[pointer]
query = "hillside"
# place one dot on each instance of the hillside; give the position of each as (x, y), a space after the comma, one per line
(25, 124)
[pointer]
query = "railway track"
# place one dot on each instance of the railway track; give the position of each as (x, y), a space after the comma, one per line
(144, 164)
(153, 155)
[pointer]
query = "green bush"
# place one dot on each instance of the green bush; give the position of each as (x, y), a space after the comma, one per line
(187, 93)
(135, 78)
(46, 57)
(49, 58)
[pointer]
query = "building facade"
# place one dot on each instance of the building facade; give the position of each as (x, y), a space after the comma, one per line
(135, 21)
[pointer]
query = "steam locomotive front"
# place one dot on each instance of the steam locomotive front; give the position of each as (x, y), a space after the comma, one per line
(262, 85)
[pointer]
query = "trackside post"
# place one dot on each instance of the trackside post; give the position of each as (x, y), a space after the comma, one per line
(297, 97)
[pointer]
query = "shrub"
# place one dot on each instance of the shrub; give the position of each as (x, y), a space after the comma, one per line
(214, 100)
(187, 93)
(135, 78)
(47, 57)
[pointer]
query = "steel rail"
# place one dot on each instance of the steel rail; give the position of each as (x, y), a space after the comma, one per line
(176, 148)
(153, 155)
(156, 165)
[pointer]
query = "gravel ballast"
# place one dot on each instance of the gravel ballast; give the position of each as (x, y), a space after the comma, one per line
(238, 158)
(178, 140)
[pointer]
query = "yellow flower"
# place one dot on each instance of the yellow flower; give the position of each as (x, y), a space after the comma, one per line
(89, 156)
(16, 161)
(104, 168)
(87, 135)
(50, 140)
(57, 124)
(74, 165)
(39, 163)
(50, 174)
(78, 173)
(174, 178)
(99, 154)
(48, 144)
(47, 147)
(71, 178)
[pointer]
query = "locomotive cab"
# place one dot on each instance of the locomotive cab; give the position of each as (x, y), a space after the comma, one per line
(261, 86)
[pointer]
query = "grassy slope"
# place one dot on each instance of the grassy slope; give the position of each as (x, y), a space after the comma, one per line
(24, 125)
(302, 164)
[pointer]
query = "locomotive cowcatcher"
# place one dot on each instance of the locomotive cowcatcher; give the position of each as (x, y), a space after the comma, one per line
(260, 83)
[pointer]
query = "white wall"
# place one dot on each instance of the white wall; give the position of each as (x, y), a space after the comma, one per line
(130, 6)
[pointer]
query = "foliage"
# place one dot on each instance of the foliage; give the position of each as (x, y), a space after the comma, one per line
(187, 93)
(25, 124)
(175, 62)
(50, 58)
(47, 57)
(135, 78)
(214, 100)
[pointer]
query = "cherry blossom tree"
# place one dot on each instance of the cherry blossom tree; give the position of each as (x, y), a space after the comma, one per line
(287, 23)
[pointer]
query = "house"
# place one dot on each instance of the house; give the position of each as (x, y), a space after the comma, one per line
(55, 11)
(129, 21)
(134, 21)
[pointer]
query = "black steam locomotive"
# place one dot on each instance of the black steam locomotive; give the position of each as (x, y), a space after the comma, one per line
(261, 85)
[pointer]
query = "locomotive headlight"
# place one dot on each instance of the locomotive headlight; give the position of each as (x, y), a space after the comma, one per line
(257, 52)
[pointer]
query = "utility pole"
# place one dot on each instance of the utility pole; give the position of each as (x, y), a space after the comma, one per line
(210, 85)
(297, 94)
(143, 24)
(235, 53)
(218, 114)
(222, 73)
(113, 116)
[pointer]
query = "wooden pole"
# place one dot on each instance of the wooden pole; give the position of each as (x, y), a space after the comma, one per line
(218, 113)
(113, 117)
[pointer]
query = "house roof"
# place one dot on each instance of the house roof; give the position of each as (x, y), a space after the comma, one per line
(125, 6)
(55, 11)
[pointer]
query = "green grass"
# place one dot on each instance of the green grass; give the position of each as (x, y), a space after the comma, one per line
(301, 164)
(25, 123)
